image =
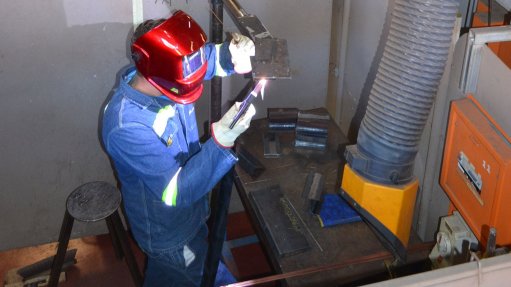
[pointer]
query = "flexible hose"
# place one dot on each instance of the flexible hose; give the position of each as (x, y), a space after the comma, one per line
(407, 79)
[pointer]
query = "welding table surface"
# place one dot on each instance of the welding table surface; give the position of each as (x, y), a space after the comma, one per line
(327, 245)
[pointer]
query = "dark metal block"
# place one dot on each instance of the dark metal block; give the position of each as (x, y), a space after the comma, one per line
(271, 144)
(308, 142)
(312, 124)
(281, 222)
(312, 130)
(313, 190)
(282, 118)
(44, 265)
(249, 163)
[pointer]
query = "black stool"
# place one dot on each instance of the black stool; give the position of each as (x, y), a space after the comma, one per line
(91, 202)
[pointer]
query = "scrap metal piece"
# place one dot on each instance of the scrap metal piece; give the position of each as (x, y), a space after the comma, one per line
(281, 126)
(44, 265)
(313, 190)
(313, 116)
(249, 163)
(282, 119)
(311, 131)
(307, 142)
(271, 145)
(271, 60)
(312, 124)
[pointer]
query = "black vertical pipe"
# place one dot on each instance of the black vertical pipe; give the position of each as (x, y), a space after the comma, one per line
(216, 37)
(220, 201)
(221, 195)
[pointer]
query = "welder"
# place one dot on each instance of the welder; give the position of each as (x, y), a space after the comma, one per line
(150, 133)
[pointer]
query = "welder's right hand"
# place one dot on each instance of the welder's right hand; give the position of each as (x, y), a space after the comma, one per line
(220, 130)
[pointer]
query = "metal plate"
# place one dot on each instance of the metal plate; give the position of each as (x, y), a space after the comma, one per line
(271, 59)
(280, 221)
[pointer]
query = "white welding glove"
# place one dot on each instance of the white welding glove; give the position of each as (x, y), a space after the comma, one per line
(220, 130)
(241, 48)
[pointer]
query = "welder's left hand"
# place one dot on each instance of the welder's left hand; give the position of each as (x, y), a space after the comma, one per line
(241, 48)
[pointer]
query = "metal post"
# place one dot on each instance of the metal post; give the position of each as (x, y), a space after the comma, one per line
(220, 201)
(220, 197)
(216, 82)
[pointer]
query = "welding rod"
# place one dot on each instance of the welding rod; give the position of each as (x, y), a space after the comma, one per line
(247, 101)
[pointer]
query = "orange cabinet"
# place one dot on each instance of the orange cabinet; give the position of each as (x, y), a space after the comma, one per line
(476, 170)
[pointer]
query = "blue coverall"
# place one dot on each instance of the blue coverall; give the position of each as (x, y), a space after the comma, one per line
(153, 143)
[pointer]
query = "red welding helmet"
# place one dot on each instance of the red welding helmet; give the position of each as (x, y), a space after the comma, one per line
(171, 57)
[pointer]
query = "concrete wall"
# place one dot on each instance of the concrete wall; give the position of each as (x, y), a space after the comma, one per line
(366, 24)
(58, 63)
(432, 202)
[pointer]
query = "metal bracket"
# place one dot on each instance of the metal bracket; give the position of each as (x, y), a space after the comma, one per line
(476, 39)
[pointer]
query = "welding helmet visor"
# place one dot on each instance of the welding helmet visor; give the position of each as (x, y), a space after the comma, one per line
(171, 57)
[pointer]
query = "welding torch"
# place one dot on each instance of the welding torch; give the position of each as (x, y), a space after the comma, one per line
(259, 87)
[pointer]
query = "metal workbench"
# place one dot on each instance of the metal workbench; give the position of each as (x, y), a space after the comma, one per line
(328, 246)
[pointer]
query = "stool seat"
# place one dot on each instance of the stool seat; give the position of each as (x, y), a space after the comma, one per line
(93, 201)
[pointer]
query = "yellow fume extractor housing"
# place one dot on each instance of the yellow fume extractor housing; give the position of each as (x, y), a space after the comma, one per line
(388, 208)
